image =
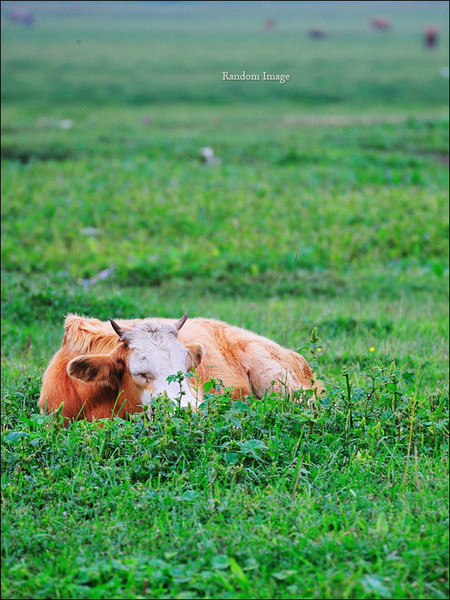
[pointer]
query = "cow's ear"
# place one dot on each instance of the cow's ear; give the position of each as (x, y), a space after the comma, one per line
(195, 355)
(94, 368)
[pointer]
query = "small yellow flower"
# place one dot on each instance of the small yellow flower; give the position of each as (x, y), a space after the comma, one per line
(319, 349)
(371, 349)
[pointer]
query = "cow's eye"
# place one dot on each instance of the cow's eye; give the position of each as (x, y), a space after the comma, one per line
(143, 378)
(146, 376)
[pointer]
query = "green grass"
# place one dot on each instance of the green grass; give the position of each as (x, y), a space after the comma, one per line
(329, 209)
(259, 499)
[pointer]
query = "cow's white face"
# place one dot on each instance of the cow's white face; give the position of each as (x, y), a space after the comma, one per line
(155, 354)
(149, 354)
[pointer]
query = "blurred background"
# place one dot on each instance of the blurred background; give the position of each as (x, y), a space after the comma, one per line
(340, 55)
(137, 181)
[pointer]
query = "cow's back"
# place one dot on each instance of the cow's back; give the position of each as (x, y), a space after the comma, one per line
(245, 360)
(222, 355)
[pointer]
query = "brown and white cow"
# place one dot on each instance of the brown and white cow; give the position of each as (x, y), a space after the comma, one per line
(380, 23)
(115, 368)
(431, 36)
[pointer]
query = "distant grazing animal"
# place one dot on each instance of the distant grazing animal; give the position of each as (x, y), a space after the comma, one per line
(317, 34)
(431, 36)
(24, 17)
(105, 369)
(380, 23)
(270, 24)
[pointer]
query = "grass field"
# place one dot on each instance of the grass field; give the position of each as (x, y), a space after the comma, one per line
(328, 209)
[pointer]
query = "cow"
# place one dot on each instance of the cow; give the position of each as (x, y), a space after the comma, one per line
(270, 24)
(317, 34)
(431, 36)
(104, 369)
(24, 17)
(380, 23)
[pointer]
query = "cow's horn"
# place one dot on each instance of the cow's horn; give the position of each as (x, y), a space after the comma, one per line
(116, 327)
(179, 324)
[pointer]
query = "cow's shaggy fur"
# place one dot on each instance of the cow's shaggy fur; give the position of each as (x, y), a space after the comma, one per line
(247, 362)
